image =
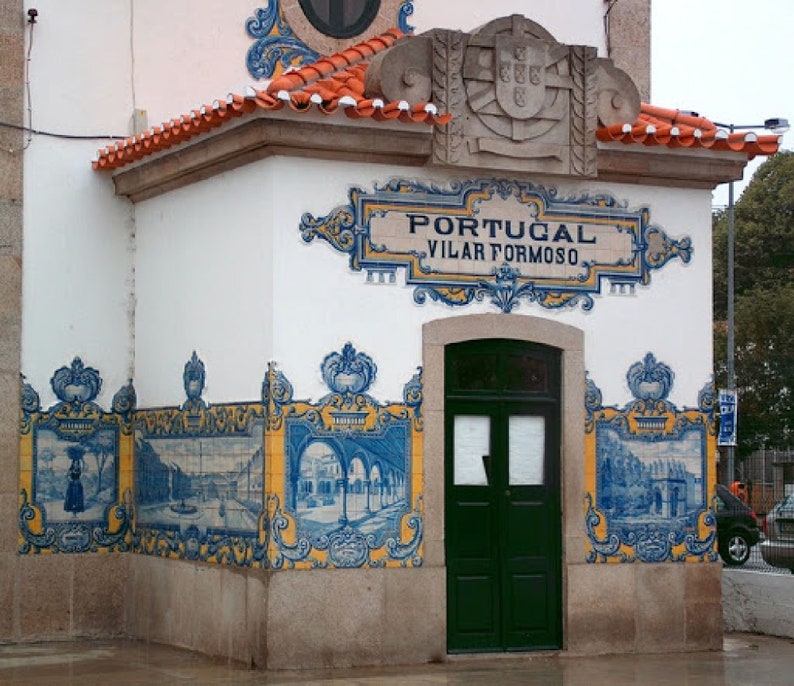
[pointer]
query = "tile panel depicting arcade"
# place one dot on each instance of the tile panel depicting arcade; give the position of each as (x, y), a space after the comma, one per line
(534, 486)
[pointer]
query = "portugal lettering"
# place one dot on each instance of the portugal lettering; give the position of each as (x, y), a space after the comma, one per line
(494, 229)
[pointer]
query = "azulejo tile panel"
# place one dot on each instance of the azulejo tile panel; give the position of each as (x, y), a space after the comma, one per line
(498, 240)
(199, 478)
(75, 492)
(345, 473)
(278, 47)
(275, 483)
(650, 473)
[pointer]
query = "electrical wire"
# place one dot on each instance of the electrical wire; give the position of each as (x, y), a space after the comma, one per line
(67, 136)
(29, 130)
(31, 23)
(607, 32)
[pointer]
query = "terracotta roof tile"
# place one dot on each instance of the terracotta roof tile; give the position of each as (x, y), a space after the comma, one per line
(328, 85)
(337, 82)
(680, 129)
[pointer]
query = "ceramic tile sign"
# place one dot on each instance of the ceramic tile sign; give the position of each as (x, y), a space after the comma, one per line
(75, 466)
(336, 481)
(205, 481)
(504, 241)
(650, 469)
(76, 481)
(346, 484)
(199, 478)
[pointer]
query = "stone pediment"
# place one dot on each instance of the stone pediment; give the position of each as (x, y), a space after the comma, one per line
(520, 100)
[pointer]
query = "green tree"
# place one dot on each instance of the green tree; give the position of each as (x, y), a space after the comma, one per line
(764, 305)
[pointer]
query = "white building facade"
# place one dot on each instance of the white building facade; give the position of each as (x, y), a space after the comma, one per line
(387, 355)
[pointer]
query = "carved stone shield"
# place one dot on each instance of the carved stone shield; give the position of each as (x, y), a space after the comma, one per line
(520, 77)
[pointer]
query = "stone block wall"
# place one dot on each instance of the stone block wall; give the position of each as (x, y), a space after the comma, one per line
(12, 41)
(630, 47)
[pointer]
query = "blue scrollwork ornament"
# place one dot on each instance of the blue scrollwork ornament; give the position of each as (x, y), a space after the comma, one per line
(194, 377)
(406, 10)
(275, 43)
(349, 372)
(76, 383)
(650, 380)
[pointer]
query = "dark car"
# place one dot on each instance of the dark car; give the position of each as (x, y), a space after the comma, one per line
(737, 528)
(778, 546)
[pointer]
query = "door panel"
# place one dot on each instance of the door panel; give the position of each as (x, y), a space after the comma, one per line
(473, 534)
(502, 499)
(528, 603)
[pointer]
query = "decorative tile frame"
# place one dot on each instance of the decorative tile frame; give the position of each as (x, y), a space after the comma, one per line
(67, 502)
(282, 42)
(507, 241)
(222, 483)
(649, 473)
(199, 479)
(344, 474)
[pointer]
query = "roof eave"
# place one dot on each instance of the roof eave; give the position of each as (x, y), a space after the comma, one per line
(260, 137)
(664, 166)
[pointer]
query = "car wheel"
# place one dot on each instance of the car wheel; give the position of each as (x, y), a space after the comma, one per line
(735, 549)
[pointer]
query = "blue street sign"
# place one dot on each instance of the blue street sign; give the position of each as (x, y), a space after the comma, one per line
(728, 411)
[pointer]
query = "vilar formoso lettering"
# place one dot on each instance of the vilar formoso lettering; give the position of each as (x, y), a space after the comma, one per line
(473, 227)
(508, 252)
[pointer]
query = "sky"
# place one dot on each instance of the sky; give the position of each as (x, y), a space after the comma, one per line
(729, 60)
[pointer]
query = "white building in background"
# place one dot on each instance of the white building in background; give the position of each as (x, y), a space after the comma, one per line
(452, 265)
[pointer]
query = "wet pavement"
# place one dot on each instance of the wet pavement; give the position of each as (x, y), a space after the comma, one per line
(747, 660)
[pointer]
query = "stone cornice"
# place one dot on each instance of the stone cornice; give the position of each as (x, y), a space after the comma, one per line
(260, 138)
(665, 167)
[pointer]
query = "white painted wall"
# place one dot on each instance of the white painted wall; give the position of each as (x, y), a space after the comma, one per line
(574, 22)
(204, 274)
(231, 238)
(758, 602)
(77, 257)
(80, 67)
(77, 269)
(188, 54)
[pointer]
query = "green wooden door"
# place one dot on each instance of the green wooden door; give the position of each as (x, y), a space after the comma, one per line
(502, 514)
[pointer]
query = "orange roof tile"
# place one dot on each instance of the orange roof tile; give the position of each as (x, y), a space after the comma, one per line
(680, 129)
(330, 84)
(337, 83)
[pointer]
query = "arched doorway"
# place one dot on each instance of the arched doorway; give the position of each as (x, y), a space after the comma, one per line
(437, 335)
